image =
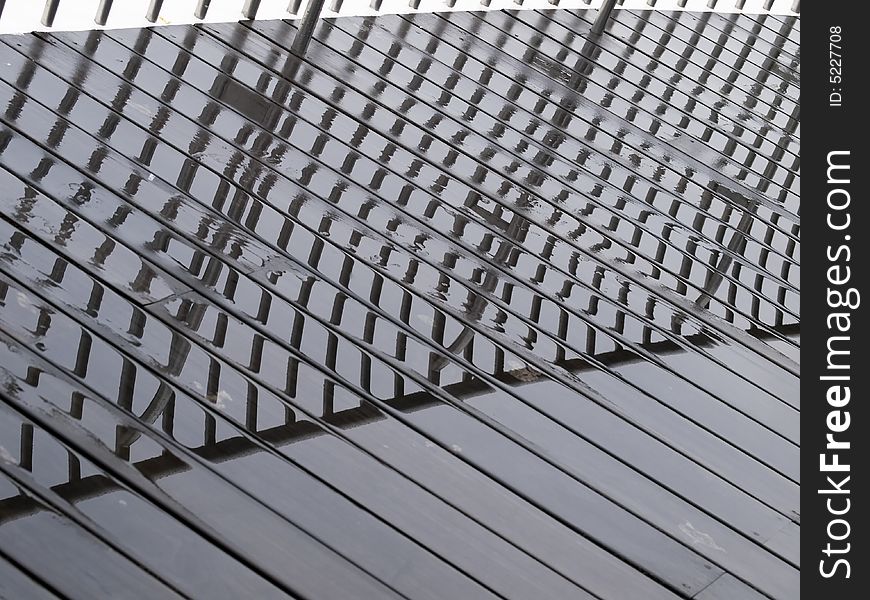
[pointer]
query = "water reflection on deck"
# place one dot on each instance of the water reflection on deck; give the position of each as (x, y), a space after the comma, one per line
(461, 306)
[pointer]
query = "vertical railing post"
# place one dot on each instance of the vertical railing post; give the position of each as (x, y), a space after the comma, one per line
(154, 10)
(201, 9)
(306, 27)
(249, 10)
(603, 16)
(103, 12)
(49, 12)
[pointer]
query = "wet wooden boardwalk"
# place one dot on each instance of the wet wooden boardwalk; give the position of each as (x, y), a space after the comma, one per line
(460, 306)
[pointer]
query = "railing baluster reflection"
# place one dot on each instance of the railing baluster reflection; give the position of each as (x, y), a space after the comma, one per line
(26, 447)
(464, 343)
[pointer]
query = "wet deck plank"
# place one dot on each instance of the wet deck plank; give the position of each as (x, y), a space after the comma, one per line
(460, 305)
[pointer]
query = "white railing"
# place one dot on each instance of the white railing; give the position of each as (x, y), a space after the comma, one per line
(20, 16)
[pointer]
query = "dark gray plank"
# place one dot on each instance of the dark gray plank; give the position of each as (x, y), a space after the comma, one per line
(432, 312)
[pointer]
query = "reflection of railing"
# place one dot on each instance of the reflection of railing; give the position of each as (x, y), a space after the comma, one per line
(162, 407)
(460, 386)
(188, 395)
(714, 274)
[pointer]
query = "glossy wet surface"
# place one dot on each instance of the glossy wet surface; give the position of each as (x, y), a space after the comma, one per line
(460, 306)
